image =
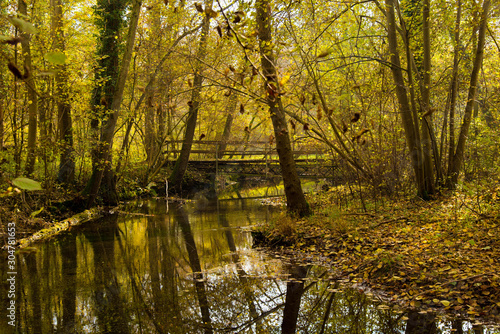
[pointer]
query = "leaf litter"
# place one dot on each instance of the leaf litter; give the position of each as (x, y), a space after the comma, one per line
(429, 256)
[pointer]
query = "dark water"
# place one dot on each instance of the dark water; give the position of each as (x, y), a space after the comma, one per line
(188, 269)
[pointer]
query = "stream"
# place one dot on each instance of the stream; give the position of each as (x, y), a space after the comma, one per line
(188, 268)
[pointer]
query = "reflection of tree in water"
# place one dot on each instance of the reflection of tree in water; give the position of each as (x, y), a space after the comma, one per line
(194, 261)
(242, 275)
(112, 315)
(152, 274)
(69, 270)
(34, 291)
(419, 323)
(135, 277)
(294, 292)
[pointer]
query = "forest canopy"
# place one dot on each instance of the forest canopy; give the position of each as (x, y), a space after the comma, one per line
(403, 94)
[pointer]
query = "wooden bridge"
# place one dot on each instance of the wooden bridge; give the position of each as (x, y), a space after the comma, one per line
(253, 159)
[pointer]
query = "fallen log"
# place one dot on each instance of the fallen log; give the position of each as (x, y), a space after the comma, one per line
(56, 228)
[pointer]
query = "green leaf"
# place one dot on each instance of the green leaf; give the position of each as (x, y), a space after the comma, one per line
(22, 25)
(56, 58)
(26, 184)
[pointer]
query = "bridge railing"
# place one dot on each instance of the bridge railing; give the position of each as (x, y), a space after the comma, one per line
(252, 158)
(234, 150)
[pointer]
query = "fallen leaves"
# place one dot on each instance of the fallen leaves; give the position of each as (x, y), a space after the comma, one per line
(426, 257)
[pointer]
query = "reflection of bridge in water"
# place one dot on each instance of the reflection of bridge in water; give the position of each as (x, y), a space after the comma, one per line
(251, 159)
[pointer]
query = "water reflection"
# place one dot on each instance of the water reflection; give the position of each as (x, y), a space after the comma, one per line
(188, 270)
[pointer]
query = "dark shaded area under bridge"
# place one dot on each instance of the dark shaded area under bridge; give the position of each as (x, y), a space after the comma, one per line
(251, 159)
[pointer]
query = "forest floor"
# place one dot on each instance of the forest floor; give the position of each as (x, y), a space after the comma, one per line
(34, 211)
(439, 255)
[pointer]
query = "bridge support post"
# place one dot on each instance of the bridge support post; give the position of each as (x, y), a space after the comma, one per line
(216, 166)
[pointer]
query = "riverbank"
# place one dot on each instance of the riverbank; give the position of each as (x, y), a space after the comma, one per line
(442, 255)
(41, 213)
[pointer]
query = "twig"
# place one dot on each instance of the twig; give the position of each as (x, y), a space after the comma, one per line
(360, 214)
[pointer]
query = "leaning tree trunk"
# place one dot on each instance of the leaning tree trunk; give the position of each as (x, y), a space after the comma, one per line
(32, 97)
(458, 157)
(194, 105)
(102, 172)
(66, 172)
(409, 126)
(295, 198)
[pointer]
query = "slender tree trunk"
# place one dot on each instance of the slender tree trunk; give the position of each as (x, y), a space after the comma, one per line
(458, 156)
(454, 91)
(426, 125)
(149, 129)
(125, 145)
(2, 103)
(150, 119)
(102, 170)
(411, 129)
(32, 97)
(3, 100)
(226, 133)
(66, 172)
(295, 198)
(194, 105)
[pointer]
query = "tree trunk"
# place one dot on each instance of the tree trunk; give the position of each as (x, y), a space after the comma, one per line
(454, 91)
(226, 133)
(149, 129)
(150, 133)
(194, 105)
(66, 172)
(32, 97)
(295, 198)
(404, 105)
(458, 156)
(2, 103)
(102, 172)
(426, 125)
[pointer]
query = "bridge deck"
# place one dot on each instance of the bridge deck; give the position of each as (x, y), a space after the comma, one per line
(256, 158)
(306, 168)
